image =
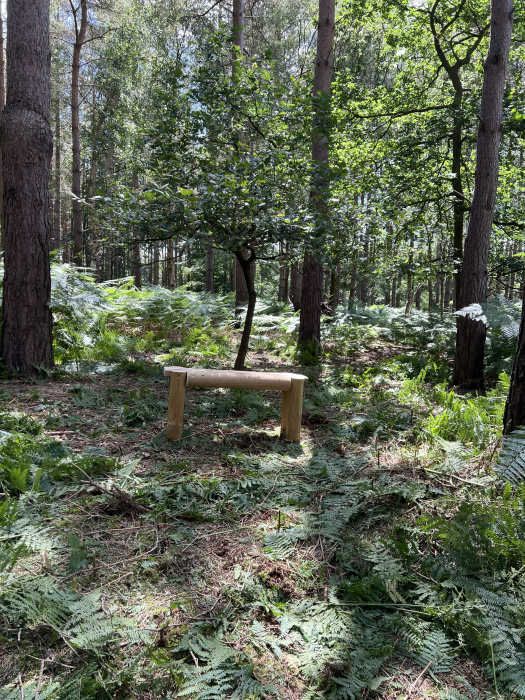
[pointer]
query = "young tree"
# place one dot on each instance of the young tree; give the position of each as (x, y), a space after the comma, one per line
(26, 142)
(470, 340)
(312, 290)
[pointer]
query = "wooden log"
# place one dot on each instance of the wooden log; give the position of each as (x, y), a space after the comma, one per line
(284, 412)
(230, 379)
(295, 410)
(176, 403)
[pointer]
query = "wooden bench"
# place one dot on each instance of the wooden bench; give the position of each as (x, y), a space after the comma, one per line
(291, 386)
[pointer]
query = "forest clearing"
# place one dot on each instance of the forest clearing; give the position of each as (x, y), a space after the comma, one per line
(301, 221)
(380, 556)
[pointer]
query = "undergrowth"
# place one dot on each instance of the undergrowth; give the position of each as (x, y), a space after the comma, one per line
(383, 552)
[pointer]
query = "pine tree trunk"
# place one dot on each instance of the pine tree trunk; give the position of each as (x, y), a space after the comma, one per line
(296, 283)
(156, 264)
(26, 143)
(470, 339)
(2, 105)
(80, 35)
(312, 291)
(55, 245)
(137, 266)
(514, 416)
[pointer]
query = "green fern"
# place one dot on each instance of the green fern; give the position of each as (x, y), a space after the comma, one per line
(511, 460)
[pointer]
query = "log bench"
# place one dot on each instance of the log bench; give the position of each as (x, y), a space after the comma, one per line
(290, 385)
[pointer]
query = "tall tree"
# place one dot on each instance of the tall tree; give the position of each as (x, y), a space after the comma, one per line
(312, 289)
(80, 27)
(2, 105)
(26, 142)
(470, 340)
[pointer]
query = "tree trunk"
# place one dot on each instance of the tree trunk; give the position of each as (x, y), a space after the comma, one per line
(156, 264)
(446, 300)
(137, 267)
(470, 339)
(247, 266)
(170, 266)
(296, 286)
(394, 292)
(335, 286)
(410, 279)
(209, 269)
(80, 35)
(2, 105)
(514, 415)
(26, 142)
(312, 292)
(55, 245)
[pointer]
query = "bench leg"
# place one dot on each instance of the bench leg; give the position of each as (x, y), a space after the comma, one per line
(176, 406)
(284, 412)
(295, 410)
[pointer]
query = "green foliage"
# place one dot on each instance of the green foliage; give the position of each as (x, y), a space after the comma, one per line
(475, 420)
(511, 459)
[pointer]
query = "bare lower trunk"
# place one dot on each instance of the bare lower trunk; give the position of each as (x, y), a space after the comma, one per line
(514, 416)
(137, 266)
(247, 266)
(312, 292)
(2, 105)
(26, 142)
(470, 339)
(80, 35)
(55, 245)
(394, 292)
(156, 264)
(209, 269)
(296, 284)
(311, 301)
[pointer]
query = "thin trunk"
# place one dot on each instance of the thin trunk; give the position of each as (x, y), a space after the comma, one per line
(410, 278)
(335, 286)
(514, 416)
(296, 283)
(26, 143)
(80, 35)
(107, 245)
(470, 339)
(394, 292)
(446, 300)
(247, 266)
(170, 269)
(137, 267)
(156, 264)
(209, 269)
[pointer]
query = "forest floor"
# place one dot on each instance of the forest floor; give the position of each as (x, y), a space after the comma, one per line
(234, 561)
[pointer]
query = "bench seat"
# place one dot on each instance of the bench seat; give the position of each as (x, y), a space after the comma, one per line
(289, 384)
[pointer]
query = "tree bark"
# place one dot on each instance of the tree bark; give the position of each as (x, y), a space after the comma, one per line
(470, 339)
(209, 269)
(55, 245)
(514, 415)
(296, 284)
(26, 142)
(247, 266)
(80, 35)
(156, 264)
(137, 267)
(312, 292)
(2, 105)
